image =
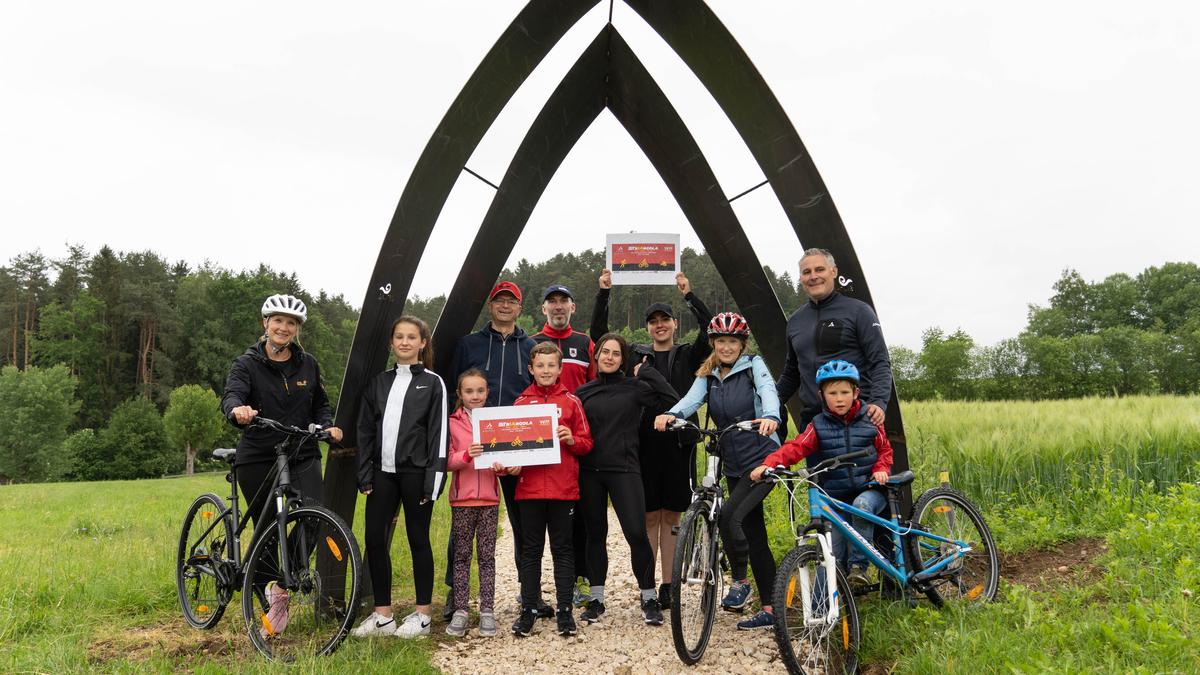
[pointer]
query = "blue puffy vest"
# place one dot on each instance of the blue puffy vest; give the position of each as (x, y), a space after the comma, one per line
(838, 438)
(733, 400)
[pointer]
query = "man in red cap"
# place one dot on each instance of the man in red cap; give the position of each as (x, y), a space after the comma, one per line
(501, 350)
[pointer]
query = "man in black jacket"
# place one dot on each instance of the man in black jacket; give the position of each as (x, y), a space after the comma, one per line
(832, 326)
(666, 457)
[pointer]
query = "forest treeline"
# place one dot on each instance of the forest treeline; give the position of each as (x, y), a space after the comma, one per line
(111, 362)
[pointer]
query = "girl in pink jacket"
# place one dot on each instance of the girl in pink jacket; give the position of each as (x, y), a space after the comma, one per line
(475, 507)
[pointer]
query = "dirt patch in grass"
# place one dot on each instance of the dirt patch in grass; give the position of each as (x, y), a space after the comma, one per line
(1069, 562)
(172, 641)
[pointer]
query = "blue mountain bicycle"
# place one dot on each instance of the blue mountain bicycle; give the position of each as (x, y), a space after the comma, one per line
(945, 551)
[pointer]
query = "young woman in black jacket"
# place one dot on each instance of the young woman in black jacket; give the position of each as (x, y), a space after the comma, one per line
(402, 440)
(614, 405)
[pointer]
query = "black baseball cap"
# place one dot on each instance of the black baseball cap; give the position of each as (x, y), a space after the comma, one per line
(657, 308)
(556, 288)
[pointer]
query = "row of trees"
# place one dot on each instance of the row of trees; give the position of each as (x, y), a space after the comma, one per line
(111, 363)
(1119, 336)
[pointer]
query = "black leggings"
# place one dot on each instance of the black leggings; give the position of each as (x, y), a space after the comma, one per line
(538, 516)
(629, 501)
(391, 491)
(255, 482)
(744, 532)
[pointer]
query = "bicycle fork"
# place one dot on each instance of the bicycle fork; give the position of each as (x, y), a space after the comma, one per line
(827, 587)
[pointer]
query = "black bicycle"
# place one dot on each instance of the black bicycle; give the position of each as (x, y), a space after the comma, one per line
(301, 577)
(696, 577)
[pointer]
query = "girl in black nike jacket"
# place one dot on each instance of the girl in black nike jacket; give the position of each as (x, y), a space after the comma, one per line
(402, 439)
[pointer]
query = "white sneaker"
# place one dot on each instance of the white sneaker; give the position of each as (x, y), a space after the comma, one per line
(414, 625)
(376, 624)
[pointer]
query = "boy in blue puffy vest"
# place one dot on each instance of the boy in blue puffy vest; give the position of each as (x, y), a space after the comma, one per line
(842, 428)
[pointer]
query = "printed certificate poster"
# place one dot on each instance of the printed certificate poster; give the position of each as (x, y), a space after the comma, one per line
(642, 258)
(516, 435)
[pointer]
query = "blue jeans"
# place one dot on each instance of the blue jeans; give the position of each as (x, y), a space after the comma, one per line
(871, 501)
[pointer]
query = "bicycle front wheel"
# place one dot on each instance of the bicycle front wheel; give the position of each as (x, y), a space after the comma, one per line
(312, 615)
(201, 578)
(694, 580)
(824, 641)
(972, 578)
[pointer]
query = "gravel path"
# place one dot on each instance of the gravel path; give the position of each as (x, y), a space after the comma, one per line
(620, 644)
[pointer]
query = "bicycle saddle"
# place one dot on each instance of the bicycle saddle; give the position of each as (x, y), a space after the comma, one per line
(225, 453)
(902, 478)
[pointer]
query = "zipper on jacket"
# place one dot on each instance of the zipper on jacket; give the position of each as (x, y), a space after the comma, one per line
(503, 345)
(286, 390)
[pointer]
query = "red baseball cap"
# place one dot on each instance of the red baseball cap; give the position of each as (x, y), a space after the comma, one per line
(505, 286)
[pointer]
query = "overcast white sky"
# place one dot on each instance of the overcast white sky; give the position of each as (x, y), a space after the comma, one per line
(975, 150)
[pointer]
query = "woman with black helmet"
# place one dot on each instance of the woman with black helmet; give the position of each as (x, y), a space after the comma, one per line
(739, 388)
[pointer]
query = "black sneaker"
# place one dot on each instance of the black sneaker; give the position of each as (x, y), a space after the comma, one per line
(448, 610)
(523, 626)
(652, 612)
(664, 597)
(544, 610)
(566, 623)
(592, 614)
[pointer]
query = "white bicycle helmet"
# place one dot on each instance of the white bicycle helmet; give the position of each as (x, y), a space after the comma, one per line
(285, 304)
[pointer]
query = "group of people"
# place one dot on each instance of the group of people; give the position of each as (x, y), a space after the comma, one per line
(615, 404)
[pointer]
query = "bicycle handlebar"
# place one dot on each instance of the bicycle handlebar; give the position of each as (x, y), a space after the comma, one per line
(684, 423)
(314, 430)
(805, 474)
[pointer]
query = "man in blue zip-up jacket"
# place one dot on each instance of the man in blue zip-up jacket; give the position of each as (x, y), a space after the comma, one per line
(831, 326)
(500, 349)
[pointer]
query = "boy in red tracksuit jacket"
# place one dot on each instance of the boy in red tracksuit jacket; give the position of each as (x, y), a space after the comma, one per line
(548, 493)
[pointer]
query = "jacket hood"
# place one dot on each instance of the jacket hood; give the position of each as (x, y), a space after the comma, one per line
(489, 330)
(258, 351)
(535, 389)
(743, 362)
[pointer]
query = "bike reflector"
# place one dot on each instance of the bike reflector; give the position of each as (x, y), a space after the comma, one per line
(333, 548)
(267, 625)
(941, 509)
(207, 515)
(203, 609)
(975, 592)
(845, 634)
(791, 592)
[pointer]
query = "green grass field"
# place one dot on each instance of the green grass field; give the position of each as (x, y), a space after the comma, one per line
(86, 580)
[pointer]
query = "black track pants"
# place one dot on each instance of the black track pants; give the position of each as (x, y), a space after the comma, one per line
(537, 517)
(629, 501)
(744, 532)
(393, 491)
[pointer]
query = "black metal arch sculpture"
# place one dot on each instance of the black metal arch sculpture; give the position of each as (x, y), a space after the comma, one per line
(698, 37)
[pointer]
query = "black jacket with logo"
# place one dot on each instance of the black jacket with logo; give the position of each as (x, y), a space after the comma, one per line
(286, 391)
(423, 437)
(614, 405)
(837, 327)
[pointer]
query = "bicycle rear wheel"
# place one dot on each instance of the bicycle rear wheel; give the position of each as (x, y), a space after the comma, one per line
(694, 580)
(948, 513)
(314, 615)
(204, 585)
(821, 644)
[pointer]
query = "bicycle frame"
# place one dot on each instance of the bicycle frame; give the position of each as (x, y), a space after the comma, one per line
(825, 511)
(283, 495)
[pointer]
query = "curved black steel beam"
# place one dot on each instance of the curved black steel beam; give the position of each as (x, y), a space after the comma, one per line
(531, 35)
(695, 33)
(609, 71)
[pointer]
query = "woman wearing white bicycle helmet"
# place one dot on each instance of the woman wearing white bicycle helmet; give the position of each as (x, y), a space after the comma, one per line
(277, 379)
(739, 388)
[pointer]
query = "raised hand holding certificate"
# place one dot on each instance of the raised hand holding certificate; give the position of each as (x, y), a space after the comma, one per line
(516, 435)
(642, 258)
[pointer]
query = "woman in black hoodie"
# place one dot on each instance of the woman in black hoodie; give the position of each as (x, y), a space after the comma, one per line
(277, 379)
(402, 439)
(614, 405)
